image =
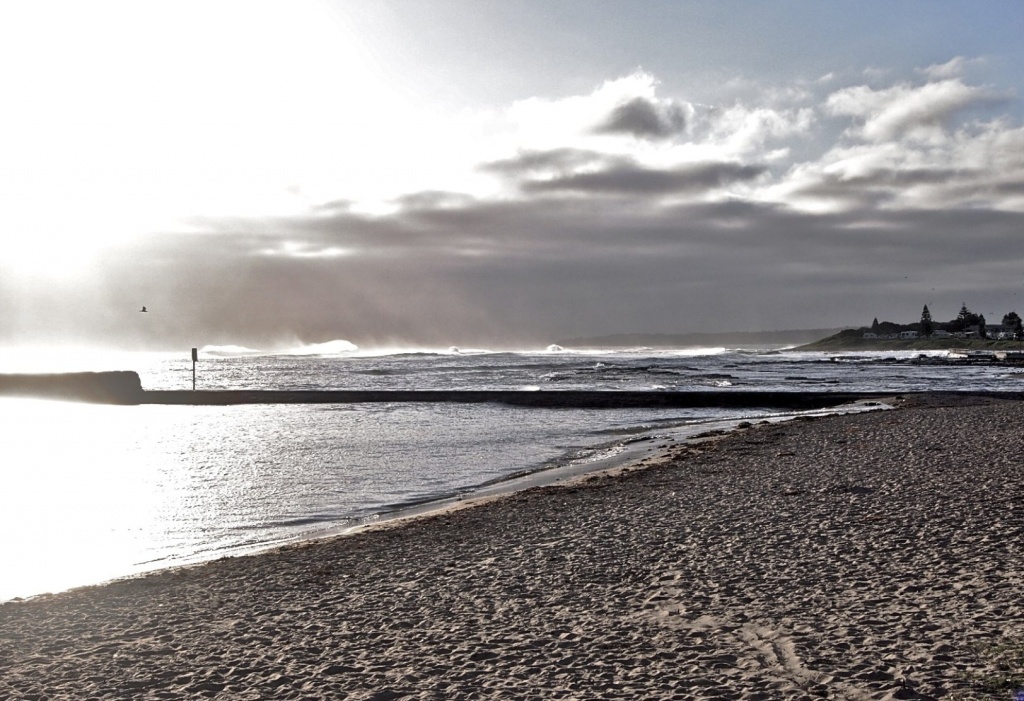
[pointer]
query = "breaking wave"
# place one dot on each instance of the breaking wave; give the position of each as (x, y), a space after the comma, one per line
(336, 347)
(455, 350)
(229, 350)
(339, 347)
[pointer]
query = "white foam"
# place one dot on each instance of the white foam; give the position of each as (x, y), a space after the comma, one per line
(229, 350)
(336, 347)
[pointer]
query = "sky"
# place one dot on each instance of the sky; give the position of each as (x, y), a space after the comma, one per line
(503, 173)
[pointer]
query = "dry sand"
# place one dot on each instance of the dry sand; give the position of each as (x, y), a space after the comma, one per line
(855, 557)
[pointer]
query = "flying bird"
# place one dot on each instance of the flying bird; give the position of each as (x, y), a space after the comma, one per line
(143, 309)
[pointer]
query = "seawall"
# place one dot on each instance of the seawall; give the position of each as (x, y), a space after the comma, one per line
(576, 399)
(125, 387)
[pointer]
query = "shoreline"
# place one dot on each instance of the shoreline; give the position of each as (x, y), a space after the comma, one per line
(609, 457)
(852, 556)
(624, 456)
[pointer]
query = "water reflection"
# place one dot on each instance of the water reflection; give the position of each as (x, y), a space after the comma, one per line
(93, 492)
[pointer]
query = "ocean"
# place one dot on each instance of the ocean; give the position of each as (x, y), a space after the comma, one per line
(89, 493)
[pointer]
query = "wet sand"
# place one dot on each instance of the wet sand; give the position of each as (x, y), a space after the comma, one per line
(866, 556)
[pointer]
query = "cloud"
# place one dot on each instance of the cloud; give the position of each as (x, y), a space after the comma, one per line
(434, 199)
(954, 68)
(740, 130)
(605, 215)
(536, 270)
(293, 249)
(630, 178)
(645, 118)
(628, 108)
(596, 234)
(547, 269)
(533, 162)
(871, 188)
(921, 113)
(977, 165)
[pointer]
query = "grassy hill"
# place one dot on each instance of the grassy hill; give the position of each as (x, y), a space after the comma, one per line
(853, 340)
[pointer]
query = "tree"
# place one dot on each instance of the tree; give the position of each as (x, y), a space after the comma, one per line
(965, 316)
(927, 325)
(964, 319)
(874, 324)
(982, 331)
(1012, 324)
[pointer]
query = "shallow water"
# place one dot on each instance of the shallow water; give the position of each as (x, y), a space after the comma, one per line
(96, 492)
(88, 492)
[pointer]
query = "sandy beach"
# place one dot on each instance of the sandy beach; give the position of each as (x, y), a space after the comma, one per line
(868, 556)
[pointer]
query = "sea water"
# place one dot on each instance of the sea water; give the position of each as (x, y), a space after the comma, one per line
(91, 492)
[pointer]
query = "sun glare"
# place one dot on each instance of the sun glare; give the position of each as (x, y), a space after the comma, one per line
(124, 119)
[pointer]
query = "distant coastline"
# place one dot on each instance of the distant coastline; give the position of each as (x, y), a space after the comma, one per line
(968, 332)
(848, 341)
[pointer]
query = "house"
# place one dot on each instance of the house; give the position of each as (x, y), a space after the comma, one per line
(941, 333)
(869, 334)
(908, 335)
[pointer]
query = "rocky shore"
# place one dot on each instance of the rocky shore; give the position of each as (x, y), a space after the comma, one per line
(868, 556)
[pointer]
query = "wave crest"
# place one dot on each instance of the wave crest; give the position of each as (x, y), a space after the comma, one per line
(228, 350)
(455, 350)
(336, 347)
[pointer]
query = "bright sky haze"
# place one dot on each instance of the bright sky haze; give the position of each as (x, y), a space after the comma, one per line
(456, 172)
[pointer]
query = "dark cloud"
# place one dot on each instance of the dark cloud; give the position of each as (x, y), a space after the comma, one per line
(846, 193)
(924, 176)
(527, 162)
(900, 177)
(916, 187)
(1011, 188)
(434, 199)
(645, 119)
(536, 271)
(630, 178)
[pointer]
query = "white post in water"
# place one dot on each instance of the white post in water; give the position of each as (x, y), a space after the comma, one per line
(195, 357)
